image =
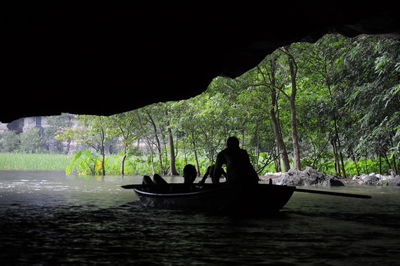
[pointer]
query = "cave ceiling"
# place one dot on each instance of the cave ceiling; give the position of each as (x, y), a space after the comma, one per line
(108, 59)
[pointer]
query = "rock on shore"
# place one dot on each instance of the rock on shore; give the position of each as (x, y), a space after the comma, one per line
(376, 180)
(311, 177)
(307, 177)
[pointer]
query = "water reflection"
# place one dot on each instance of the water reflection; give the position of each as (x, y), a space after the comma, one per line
(48, 218)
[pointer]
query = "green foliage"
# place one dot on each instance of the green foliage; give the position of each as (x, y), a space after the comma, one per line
(30, 141)
(84, 163)
(9, 141)
(88, 163)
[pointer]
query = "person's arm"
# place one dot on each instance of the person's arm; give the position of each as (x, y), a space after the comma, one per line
(256, 177)
(218, 165)
(247, 157)
(223, 173)
(203, 180)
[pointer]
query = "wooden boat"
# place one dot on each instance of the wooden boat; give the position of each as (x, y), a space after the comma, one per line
(259, 199)
(223, 198)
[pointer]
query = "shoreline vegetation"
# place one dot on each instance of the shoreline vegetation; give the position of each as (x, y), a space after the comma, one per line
(32, 161)
(139, 165)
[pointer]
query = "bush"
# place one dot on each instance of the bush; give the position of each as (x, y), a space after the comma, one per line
(30, 141)
(89, 163)
(9, 141)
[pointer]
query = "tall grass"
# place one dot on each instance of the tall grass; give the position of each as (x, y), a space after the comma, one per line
(24, 161)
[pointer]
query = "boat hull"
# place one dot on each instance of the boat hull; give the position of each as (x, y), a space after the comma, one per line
(255, 199)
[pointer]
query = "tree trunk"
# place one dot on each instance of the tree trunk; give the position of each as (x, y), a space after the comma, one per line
(338, 147)
(172, 153)
(68, 146)
(366, 170)
(152, 161)
(396, 169)
(279, 141)
(123, 162)
(276, 125)
(103, 170)
(295, 139)
(355, 162)
(388, 163)
(277, 161)
(342, 163)
(159, 148)
(123, 165)
(184, 154)
(336, 158)
(293, 112)
(337, 138)
(195, 155)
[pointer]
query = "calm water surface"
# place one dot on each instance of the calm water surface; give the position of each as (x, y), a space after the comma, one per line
(47, 218)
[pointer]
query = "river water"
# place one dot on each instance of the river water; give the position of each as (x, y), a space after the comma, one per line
(47, 218)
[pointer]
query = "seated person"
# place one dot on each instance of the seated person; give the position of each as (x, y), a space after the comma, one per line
(238, 166)
(160, 184)
(189, 175)
(157, 180)
(210, 171)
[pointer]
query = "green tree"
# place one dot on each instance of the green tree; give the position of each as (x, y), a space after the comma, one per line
(373, 67)
(186, 124)
(9, 141)
(124, 125)
(94, 132)
(56, 124)
(30, 141)
(272, 87)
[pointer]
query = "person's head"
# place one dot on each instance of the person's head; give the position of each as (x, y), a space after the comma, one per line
(189, 173)
(232, 142)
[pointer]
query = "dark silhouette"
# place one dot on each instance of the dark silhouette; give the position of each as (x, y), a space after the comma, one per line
(157, 180)
(238, 165)
(210, 172)
(157, 184)
(189, 175)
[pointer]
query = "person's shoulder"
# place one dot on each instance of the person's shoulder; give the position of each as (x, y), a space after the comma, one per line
(222, 154)
(223, 151)
(244, 152)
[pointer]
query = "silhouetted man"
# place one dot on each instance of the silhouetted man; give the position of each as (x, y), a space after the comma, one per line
(237, 161)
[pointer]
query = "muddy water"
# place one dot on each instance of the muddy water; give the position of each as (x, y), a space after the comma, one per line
(47, 218)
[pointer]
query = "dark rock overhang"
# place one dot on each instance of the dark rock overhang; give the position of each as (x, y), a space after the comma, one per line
(106, 60)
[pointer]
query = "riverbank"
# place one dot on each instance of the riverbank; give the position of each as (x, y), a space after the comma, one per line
(307, 177)
(311, 177)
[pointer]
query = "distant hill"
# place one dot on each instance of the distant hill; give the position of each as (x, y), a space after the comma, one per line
(47, 127)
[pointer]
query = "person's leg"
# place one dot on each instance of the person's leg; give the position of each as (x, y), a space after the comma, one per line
(158, 180)
(215, 180)
(147, 180)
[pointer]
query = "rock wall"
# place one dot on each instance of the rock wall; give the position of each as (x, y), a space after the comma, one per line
(3, 127)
